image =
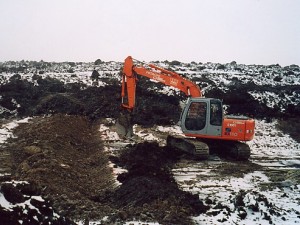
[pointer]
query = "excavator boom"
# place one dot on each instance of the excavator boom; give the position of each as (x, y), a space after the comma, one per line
(169, 78)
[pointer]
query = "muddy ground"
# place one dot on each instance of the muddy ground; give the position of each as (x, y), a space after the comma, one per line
(60, 153)
(63, 159)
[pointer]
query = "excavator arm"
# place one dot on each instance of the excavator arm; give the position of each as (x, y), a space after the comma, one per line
(169, 78)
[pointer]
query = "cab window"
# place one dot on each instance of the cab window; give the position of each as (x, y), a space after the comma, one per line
(216, 113)
(196, 116)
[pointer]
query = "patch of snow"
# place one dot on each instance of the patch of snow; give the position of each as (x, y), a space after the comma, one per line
(6, 129)
(140, 223)
(166, 90)
(271, 143)
(16, 182)
(4, 203)
(144, 134)
(225, 191)
(107, 134)
(147, 136)
(116, 172)
(24, 205)
(170, 129)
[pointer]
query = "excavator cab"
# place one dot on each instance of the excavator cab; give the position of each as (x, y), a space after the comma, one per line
(202, 116)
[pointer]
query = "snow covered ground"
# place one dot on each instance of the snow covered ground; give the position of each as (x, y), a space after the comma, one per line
(264, 200)
(6, 132)
(6, 129)
(271, 144)
(250, 197)
(221, 76)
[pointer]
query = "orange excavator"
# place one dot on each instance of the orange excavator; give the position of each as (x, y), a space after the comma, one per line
(202, 119)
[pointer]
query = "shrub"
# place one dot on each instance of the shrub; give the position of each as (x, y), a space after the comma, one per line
(278, 79)
(70, 70)
(221, 67)
(175, 63)
(98, 62)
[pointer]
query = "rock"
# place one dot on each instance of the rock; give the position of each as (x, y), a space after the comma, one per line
(254, 207)
(28, 189)
(24, 167)
(208, 201)
(31, 150)
(242, 213)
(286, 183)
(11, 193)
(65, 166)
(239, 199)
(123, 215)
(8, 217)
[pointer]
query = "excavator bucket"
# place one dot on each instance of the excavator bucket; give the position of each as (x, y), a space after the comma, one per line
(124, 125)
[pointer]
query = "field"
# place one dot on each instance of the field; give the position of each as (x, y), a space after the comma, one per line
(64, 160)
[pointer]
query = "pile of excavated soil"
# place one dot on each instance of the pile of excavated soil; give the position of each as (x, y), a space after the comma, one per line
(63, 156)
(53, 96)
(149, 191)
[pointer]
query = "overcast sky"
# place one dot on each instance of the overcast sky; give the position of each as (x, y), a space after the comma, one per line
(246, 31)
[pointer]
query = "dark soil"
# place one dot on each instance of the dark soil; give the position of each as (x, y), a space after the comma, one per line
(149, 189)
(53, 96)
(63, 159)
(63, 156)
(290, 126)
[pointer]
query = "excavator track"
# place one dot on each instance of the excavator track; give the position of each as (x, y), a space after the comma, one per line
(198, 149)
(201, 148)
(238, 150)
(229, 149)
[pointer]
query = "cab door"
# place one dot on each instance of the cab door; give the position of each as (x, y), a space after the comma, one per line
(194, 116)
(215, 118)
(202, 116)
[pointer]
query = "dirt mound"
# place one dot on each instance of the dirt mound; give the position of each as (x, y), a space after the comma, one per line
(63, 156)
(149, 191)
(153, 107)
(23, 98)
(60, 103)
